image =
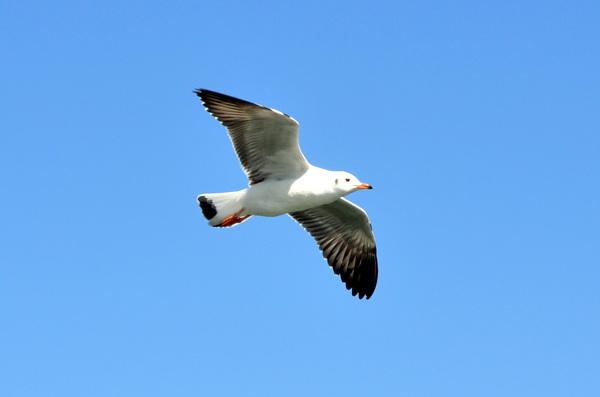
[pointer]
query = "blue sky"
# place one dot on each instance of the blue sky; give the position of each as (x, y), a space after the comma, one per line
(477, 123)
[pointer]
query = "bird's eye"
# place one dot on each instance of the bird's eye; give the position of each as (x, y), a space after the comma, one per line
(347, 179)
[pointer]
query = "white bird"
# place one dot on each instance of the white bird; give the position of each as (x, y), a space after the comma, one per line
(282, 181)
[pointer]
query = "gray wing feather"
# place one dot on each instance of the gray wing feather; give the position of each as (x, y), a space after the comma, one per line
(265, 140)
(344, 235)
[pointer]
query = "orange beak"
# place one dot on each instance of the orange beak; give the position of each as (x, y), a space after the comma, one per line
(364, 186)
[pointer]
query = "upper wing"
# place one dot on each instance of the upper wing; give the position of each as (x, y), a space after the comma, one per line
(265, 140)
(344, 235)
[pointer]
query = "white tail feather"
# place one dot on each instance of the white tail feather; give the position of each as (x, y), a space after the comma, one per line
(216, 207)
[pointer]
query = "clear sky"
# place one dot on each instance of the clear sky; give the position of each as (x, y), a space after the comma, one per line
(477, 123)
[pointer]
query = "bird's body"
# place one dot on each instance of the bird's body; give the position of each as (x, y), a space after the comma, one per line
(283, 182)
(278, 197)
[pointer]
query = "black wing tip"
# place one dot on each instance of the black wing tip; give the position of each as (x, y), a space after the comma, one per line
(362, 279)
(208, 96)
(200, 92)
(203, 91)
(366, 283)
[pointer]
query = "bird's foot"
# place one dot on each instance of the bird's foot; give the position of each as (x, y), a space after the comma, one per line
(234, 219)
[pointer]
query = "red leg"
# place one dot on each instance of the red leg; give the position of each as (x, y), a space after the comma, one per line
(234, 219)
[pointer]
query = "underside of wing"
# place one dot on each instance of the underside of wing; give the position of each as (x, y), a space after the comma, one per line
(343, 232)
(265, 140)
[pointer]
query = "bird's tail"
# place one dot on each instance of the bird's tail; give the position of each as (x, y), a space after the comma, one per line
(223, 209)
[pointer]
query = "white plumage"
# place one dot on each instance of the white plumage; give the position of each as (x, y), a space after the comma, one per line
(283, 181)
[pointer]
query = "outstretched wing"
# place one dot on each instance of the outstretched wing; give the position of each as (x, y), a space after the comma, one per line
(265, 140)
(344, 235)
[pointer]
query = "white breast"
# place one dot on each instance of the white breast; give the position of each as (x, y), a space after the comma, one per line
(273, 198)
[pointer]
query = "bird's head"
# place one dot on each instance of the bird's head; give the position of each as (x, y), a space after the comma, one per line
(348, 183)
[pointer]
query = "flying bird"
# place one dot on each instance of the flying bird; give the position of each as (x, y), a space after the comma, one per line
(282, 181)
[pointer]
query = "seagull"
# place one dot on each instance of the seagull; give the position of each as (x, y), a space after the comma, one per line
(282, 181)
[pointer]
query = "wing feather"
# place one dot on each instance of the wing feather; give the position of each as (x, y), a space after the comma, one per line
(344, 235)
(265, 140)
